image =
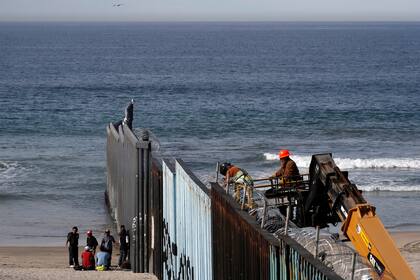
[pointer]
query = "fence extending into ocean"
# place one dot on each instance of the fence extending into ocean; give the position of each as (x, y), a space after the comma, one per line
(181, 229)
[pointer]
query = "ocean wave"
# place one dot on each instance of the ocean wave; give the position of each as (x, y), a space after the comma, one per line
(388, 188)
(358, 163)
(8, 169)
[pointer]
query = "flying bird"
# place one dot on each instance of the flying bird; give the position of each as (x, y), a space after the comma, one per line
(118, 5)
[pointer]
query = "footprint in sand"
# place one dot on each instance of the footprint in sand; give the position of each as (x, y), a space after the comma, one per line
(412, 247)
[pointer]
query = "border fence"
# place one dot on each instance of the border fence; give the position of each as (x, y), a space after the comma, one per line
(133, 194)
(180, 229)
(187, 224)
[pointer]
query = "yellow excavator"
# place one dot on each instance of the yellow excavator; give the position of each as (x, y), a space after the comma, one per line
(328, 197)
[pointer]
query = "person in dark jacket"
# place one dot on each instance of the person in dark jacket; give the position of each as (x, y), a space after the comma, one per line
(123, 245)
(91, 241)
(107, 243)
(288, 170)
(73, 243)
(128, 119)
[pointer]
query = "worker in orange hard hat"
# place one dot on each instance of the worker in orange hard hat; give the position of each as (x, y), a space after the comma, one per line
(288, 169)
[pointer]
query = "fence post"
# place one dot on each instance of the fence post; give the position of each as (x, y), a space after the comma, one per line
(144, 147)
(353, 266)
(317, 242)
(286, 226)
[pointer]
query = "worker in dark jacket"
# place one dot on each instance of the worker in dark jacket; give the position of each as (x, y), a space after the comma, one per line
(91, 241)
(73, 243)
(241, 180)
(288, 170)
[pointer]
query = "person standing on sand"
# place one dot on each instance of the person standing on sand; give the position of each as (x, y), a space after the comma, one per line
(123, 245)
(107, 243)
(73, 243)
(91, 241)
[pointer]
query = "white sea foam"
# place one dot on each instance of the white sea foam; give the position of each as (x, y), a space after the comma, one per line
(8, 170)
(358, 163)
(391, 188)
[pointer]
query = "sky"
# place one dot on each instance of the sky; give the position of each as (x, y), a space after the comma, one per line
(210, 10)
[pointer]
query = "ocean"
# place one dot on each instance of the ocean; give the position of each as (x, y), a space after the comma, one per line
(210, 92)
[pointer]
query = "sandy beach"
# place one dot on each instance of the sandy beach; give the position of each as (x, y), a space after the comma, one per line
(51, 262)
(409, 245)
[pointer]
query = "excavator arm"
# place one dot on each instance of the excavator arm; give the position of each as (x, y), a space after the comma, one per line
(331, 189)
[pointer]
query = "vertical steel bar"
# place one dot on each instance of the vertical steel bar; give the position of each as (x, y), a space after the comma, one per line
(137, 195)
(217, 172)
(264, 213)
(317, 242)
(286, 226)
(140, 247)
(147, 220)
(353, 266)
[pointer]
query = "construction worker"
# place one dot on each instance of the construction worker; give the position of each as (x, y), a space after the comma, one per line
(241, 180)
(288, 170)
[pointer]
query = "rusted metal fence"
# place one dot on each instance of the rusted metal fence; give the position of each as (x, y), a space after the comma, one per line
(134, 195)
(242, 250)
(187, 224)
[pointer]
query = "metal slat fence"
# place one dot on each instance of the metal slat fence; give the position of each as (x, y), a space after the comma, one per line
(134, 195)
(242, 250)
(187, 224)
(179, 229)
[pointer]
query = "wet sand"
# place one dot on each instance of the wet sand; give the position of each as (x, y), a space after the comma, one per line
(51, 262)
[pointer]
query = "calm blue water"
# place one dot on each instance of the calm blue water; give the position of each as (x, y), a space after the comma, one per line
(209, 92)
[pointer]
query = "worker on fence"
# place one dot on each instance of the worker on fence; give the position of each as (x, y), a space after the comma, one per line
(288, 171)
(128, 119)
(241, 180)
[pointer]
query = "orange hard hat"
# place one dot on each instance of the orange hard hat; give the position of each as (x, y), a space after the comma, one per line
(284, 153)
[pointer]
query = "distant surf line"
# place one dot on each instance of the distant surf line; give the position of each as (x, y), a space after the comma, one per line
(357, 163)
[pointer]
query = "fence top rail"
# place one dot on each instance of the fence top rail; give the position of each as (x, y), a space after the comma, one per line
(192, 176)
(243, 214)
(170, 164)
(129, 134)
(157, 163)
(110, 129)
(271, 239)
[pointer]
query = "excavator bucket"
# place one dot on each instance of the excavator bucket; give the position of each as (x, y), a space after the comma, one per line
(372, 240)
(360, 223)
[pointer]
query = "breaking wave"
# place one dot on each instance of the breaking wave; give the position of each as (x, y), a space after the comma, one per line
(358, 163)
(389, 188)
(8, 169)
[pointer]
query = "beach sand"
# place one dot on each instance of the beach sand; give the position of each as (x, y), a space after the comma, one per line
(51, 262)
(409, 245)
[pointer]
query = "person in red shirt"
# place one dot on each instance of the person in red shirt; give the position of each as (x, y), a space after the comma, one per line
(241, 180)
(88, 260)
